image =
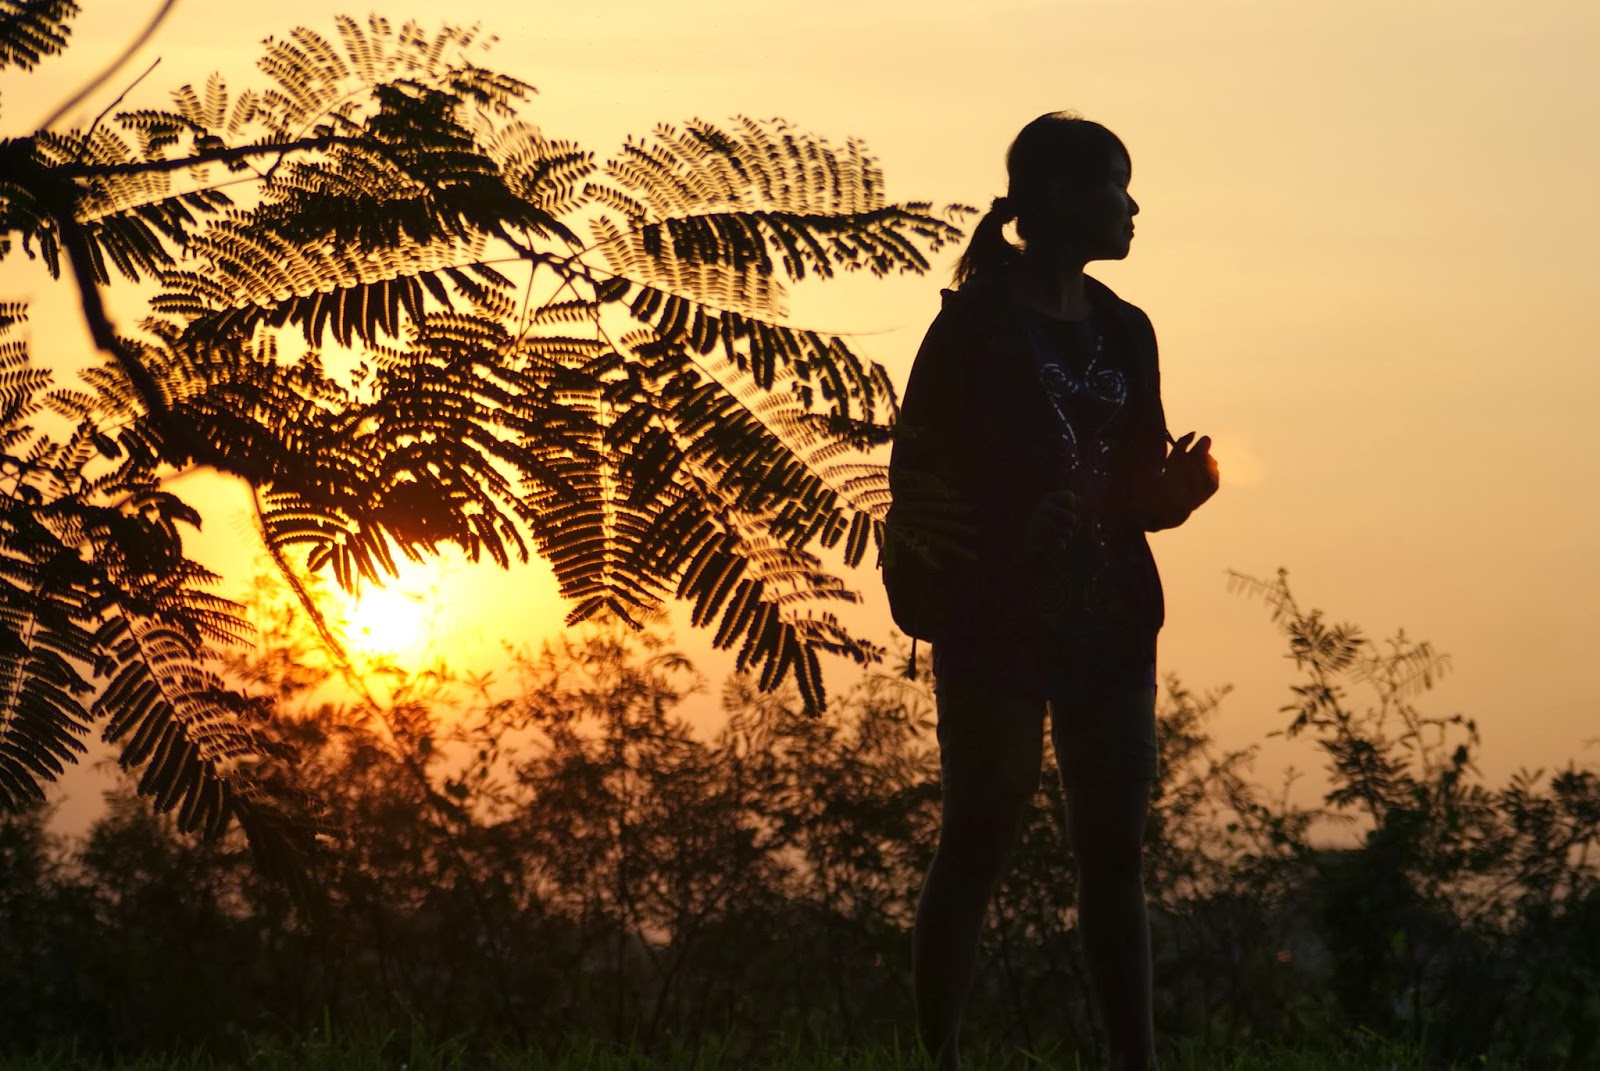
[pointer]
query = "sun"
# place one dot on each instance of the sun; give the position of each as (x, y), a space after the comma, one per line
(446, 610)
(387, 621)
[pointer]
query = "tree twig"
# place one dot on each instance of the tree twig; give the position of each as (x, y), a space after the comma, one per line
(58, 197)
(83, 147)
(213, 156)
(100, 79)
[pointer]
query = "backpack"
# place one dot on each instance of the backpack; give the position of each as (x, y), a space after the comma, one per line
(914, 574)
(916, 580)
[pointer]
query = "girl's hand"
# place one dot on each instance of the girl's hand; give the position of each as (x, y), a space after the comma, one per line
(1191, 471)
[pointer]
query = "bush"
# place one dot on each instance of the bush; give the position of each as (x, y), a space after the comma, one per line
(560, 855)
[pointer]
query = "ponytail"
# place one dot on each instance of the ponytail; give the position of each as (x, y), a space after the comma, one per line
(989, 250)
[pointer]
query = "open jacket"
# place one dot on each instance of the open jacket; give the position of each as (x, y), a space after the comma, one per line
(977, 445)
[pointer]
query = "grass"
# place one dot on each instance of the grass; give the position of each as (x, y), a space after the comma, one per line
(419, 1053)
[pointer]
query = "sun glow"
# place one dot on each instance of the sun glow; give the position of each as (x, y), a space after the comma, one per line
(388, 621)
(447, 612)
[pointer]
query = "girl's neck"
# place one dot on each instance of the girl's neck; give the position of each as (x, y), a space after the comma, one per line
(1052, 286)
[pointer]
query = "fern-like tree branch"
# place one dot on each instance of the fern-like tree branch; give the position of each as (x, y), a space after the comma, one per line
(656, 430)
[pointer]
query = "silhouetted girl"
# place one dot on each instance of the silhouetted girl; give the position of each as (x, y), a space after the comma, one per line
(1030, 460)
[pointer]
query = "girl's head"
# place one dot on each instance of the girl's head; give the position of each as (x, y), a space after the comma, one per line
(1067, 192)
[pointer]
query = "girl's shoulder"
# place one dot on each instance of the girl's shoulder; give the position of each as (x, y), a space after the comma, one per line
(984, 313)
(978, 308)
(991, 297)
(1103, 298)
(971, 300)
(1130, 317)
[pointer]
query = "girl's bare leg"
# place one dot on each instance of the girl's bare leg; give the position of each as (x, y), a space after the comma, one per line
(1105, 821)
(975, 836)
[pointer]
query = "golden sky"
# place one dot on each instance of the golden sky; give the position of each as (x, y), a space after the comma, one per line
(1367, 243)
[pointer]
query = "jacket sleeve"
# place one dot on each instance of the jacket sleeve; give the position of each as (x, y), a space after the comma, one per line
(1148, 499)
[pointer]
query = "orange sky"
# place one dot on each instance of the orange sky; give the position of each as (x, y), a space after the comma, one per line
(1367, 243)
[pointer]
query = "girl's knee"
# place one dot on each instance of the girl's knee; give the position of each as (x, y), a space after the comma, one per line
(981, 831)
(1119, 861)
(994, 816)
(1105, 827)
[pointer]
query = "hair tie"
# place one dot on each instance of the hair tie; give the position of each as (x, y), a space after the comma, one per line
(1002, 205)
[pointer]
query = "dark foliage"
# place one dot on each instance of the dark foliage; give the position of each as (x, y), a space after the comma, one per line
(104, 621)
(558, 854)
(503, 343)
(33, 29)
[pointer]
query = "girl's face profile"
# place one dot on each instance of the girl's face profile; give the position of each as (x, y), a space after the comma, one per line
(1096, 220)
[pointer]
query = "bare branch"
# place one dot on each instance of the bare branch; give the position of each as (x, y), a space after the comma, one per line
(214, 156)
(88, 134)
(100, 79)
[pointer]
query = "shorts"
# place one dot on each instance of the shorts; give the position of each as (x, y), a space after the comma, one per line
(992, 739)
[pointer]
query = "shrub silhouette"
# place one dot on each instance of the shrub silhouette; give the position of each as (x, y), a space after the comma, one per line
(555, 852)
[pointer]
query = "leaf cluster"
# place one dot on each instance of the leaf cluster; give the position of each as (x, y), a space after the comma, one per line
(33, 29)
(410, 319)
(105, 622)
(1452, 881)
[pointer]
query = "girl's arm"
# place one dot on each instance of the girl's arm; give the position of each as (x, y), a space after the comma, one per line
(1162, 489)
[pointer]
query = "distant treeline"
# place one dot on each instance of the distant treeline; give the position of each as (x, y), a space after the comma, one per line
(557, 853)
